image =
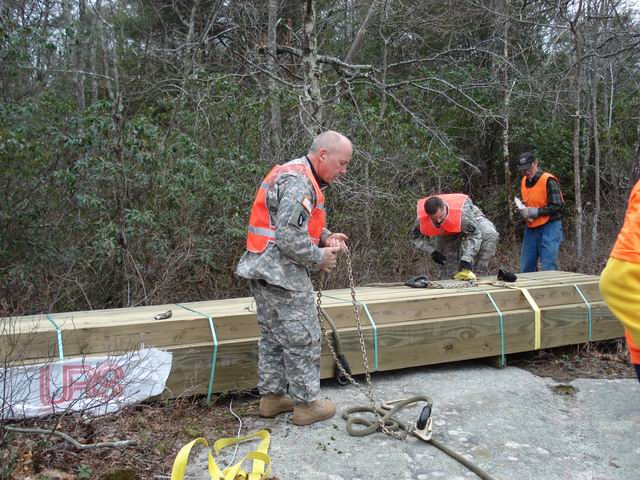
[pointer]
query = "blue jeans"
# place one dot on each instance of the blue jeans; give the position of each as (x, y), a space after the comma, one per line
(541, 243)
(637, 367)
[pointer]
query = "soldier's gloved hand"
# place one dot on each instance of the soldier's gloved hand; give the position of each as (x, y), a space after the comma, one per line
(338, 240)
(465, 276)
(329, 258)
(464, 265)
(529, 213)
(439, 258)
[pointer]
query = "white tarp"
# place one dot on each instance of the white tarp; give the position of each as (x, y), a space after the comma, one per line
(91, 385)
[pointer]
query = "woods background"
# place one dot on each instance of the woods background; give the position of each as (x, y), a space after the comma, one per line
(133, 134)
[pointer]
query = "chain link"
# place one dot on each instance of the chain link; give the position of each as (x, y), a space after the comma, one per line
(368, 390)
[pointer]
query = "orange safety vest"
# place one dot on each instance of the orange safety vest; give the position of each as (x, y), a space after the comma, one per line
(537, 197)
(627, 246)
(261, 232)
(452, 225)
(634, 350)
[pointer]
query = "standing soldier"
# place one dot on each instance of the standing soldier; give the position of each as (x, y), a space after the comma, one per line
(286, 239)
(455, 233)
(543, 204)
(620, 280)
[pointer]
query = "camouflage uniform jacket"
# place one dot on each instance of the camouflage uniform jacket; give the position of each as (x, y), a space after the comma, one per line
(287, 262)
(470, 236)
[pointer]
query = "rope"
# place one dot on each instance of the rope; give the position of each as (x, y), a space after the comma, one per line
(392, 423)
(214, 355)
(58, 335)
(589, 315)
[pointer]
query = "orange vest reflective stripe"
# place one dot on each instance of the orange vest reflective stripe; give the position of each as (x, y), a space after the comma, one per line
(627, 246)
(261, 232)
(537, 197)
(452, 225)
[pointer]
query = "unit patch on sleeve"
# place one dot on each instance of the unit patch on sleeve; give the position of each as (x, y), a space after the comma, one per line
(307, 204)
(299, 216)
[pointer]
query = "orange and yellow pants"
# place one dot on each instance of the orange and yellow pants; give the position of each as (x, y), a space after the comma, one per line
(620, 288)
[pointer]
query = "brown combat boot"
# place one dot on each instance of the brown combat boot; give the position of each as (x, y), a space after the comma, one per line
(316, 411)
(272, 405)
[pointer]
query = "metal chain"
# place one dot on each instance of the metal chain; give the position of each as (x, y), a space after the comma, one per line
(368, 390)
(465, 284)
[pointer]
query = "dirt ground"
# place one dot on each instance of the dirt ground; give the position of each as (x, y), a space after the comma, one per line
(608, 359)
(162, 428)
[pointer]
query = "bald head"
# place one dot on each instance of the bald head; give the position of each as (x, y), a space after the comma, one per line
(330, 153)
(329, 140)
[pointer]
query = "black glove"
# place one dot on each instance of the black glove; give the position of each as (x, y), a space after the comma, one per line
(464, 265)
(439, 258)
(421, 281)
(506, 276)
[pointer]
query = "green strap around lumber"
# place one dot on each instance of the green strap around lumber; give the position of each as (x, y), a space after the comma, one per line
(495, 305)
(373, 327)
(214, 355)
(589, 315)
(58, 335)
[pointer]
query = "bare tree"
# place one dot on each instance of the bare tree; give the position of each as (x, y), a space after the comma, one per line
(575, 25)
(311, 100)
(272, 49)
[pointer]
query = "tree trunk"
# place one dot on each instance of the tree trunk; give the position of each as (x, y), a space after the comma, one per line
(79, 54)
(107, 55)
(611, 96)
(312, 96)
(362, 31)
(595, 75)
(596, 162)
(66, 31)
(577, 35)
(505, 114)
(275, 123)
(187, 65)
(93, 64)
(635, 165)
(385, 55)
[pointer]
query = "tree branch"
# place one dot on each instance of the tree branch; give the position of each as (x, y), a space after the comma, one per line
(71, 440)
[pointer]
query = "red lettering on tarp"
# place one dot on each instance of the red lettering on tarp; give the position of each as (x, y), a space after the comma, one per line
(81, 381)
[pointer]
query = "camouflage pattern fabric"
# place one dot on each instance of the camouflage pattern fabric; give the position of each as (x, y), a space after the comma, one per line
(476, 243)
(289, 345)
(288, 261)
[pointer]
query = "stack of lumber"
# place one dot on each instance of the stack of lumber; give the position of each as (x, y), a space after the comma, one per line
(413, 327)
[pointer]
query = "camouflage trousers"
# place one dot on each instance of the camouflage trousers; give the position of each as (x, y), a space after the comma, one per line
(452, 247)
(289, 345)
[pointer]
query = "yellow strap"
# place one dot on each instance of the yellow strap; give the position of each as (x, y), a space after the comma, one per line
(261, 461)
(536, 317)
(181, 460)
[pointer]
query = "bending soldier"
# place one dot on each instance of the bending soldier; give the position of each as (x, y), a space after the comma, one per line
(456, 234)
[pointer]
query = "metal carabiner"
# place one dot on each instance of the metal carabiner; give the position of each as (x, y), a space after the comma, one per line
(424, 425)
(423, 428)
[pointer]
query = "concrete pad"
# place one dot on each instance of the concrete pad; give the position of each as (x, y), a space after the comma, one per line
(510, 423)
